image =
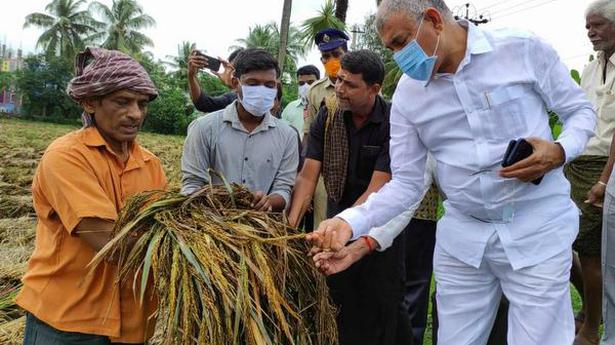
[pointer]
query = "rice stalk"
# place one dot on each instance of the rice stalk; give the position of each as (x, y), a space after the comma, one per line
(11, 332)
(222, 272)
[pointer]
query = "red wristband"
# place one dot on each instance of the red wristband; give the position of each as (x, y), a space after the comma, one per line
(370, 246)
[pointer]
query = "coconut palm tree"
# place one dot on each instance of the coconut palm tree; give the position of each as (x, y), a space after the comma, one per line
(259, 36)
(124, 21)
(284, 28)
(341, 8)
(180, 62)
(267, 37)
(325, 19)
(67, 27)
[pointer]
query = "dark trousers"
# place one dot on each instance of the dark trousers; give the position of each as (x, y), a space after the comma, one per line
(369, 296)
(39, 333)
(420, 242)
(500, 325)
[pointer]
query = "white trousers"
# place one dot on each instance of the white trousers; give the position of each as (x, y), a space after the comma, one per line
(540, 311)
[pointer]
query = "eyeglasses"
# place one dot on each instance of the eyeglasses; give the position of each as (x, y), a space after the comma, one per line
(309, 82)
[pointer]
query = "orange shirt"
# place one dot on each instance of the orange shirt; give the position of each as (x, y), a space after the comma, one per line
(79, 176)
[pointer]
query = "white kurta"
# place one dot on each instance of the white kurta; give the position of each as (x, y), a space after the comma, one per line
(601, 93)
(465, 120)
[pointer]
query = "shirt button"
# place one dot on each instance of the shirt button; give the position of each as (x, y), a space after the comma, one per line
(245, 159)
(243, 181)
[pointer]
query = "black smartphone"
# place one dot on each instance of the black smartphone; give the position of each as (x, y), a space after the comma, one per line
(516, 151)
(212, 63)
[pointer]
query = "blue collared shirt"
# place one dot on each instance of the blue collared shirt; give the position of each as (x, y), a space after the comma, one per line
(501, 91)
(265, 159)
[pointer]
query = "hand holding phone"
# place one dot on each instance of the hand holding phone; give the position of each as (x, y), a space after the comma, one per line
(212, 63)
(516, 151)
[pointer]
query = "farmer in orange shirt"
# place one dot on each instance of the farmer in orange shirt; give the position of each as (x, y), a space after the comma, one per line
(80, 186)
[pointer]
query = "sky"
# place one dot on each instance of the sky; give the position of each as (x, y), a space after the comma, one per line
(214, 28)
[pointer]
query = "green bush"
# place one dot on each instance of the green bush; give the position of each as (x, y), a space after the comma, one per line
(167, 114)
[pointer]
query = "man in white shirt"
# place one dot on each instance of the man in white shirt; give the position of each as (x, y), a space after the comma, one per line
(465, 95)
(293, 113)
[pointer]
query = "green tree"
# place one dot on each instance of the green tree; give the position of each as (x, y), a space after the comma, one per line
(370, 40)
(267, 37)
(6, 80)
(168, 114)
(124, 21)
(42, 82)
(325, 19)
(259, 36)
(67, 27)
(180, 62)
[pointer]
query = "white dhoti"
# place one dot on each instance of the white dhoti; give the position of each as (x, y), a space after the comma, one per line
(540, 310)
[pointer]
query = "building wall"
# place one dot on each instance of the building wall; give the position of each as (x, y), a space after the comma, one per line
(10, 101)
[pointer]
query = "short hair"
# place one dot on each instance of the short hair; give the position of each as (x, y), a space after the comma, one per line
(309, 70)
(255, 59)
(234, 54)
(413, 7)
(366, 63)
(604, 8)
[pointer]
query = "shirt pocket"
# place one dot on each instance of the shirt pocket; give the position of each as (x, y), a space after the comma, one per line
(368, 155)
(504, 112)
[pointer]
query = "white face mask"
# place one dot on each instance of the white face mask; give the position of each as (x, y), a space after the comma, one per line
(303, 90)
(257, 100)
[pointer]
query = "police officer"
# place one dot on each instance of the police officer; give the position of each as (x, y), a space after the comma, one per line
(333, 44)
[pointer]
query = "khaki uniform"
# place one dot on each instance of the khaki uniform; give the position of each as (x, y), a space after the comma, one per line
(317, 93)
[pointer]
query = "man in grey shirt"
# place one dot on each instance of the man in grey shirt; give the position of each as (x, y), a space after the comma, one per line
(243, 141)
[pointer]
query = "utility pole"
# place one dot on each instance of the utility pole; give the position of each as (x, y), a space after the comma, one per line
(474, 18)
(356, 30)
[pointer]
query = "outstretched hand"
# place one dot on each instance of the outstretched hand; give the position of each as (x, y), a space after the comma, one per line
(331, 235)
(334, 262)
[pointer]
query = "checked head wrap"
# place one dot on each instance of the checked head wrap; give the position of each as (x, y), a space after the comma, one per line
(99, 72)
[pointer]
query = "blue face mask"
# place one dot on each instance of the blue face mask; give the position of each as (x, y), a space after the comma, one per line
(413, 61)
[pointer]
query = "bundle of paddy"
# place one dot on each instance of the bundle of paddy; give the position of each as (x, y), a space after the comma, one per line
(222, 272)
(11, 332)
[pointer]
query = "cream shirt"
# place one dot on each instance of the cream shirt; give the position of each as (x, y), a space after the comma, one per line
(602, 95)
